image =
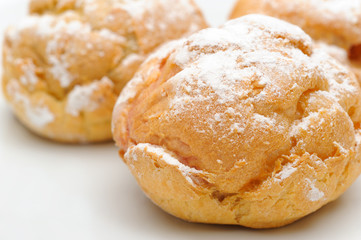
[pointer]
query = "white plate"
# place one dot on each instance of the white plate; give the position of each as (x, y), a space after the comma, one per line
(50, 191)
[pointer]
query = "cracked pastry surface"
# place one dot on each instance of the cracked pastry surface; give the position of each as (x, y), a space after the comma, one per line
(333, 22)
(65, 64)
(247, 124)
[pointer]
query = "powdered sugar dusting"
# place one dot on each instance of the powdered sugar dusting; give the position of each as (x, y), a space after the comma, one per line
(286, 172)
(131, 59)
(107, 34)
(225, 62)
(336, 74)
(55, 30)
(168, 158)
(138, 8)
(327, 10)
(248, 61)
(314, 194)
(334, 51)
(349, 10)
(48, 25)
(59, 65)
(29, 78)
(306, 123)
(358, 138)
(39, 116)
(80, 98)
(221, 61)
(134, 7)
(226, 74)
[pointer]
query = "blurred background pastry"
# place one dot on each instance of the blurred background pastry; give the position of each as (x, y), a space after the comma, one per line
(66, 63)
(247, 124)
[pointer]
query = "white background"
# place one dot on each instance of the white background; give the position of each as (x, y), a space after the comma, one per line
(50, 191)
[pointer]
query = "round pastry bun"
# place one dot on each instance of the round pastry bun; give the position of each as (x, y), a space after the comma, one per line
(247, 124)
(65, 64)
(331, 22)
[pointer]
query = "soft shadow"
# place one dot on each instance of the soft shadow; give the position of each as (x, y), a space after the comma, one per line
(19, 133)
(123, 202)
(140, 211)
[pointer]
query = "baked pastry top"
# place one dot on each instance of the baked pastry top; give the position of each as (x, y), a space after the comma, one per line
(333, 21)
(247, 124)
(65, 64)
(330, 22)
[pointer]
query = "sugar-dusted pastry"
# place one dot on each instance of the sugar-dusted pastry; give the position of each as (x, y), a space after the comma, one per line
(65, 65)
(334, 22)
(247, 124)
(341, 55)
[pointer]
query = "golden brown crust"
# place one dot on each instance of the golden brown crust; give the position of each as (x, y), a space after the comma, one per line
(248, 124)
(79, 50)
(342, 56)
(336, 22)
(332, 22)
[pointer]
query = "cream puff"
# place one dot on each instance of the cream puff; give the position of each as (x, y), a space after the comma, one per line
(333, 22)
(247, 124)
(65, 65)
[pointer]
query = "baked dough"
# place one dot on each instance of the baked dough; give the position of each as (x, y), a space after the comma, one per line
(341, 55)
(332, 22)
(247, 124)
(65, 65)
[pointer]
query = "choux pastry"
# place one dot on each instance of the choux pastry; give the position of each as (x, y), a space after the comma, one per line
(249, 124)
(333, 22)
(65, 64)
